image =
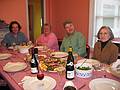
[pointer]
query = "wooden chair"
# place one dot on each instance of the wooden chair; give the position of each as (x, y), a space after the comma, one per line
(87, 51)
(118, 49)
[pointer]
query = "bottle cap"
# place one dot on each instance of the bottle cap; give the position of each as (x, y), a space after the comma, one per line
(70, 49)
(35, 50)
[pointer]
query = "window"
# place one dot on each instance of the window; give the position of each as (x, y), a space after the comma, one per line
(104, 12)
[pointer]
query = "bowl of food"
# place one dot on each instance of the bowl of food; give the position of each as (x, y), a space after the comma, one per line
(83, 70)
(24, 49)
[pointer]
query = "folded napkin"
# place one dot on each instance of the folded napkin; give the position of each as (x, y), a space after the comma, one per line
(116, 65)
(26, 78)
(32, 83)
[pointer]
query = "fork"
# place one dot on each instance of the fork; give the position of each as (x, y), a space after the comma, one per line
(81, 86)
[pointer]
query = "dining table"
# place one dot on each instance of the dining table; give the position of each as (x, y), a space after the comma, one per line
(14, 78)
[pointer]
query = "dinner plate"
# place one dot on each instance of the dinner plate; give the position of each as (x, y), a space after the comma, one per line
(14, 66)
(48, 83)
(90, 61)
(104, 84)
(59, 54)
(40, 47)
(11, 47)
(5, 56)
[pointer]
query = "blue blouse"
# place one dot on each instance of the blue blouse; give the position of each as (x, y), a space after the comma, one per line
(9, 38)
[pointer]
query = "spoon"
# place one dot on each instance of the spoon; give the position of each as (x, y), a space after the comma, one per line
(83, 62)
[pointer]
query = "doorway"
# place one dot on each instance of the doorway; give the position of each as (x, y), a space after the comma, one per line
(36, 18)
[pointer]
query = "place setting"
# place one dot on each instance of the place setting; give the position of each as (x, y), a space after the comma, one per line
(114, 68)
(4, 56)
(40, 82)
(14, 66)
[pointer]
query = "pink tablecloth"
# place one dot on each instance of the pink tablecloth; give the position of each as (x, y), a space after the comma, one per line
(14, 78)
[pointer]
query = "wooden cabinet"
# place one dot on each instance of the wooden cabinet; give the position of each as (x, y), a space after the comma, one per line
(2, 33)
(3, 29)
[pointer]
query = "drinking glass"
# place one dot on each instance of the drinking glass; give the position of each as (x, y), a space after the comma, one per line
(14, 46)
(97, 67)
(100, 67)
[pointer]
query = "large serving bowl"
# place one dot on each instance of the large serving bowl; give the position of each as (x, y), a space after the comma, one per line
(24, 49)
(83, 70)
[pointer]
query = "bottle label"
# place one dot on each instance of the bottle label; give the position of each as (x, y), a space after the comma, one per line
(34, 70)
(32, 61)
(70, 64)
(70, 74)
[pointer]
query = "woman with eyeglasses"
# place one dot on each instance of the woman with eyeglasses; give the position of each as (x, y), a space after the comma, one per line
(104, 50)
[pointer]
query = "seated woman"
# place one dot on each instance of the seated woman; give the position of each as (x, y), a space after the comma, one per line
(74, 39)
(104, 50)
(14, 36)
(48, 38)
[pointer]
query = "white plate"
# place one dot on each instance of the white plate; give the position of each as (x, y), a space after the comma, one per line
(40, 47)
(59, 54)
(90, 61)
(104, 84)
(5, 56)
(14, 66)
(11, 47)
(33, 83)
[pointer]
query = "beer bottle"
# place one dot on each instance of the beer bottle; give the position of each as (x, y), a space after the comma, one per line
(70, 65)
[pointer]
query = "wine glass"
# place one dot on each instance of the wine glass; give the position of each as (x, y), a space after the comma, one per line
(61, 71)
(40, 74)
(14, 46)
(100, 67)
(97, 67)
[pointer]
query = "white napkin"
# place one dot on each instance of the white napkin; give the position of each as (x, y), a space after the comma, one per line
(116, 65)
(26, 78)
(69, 83)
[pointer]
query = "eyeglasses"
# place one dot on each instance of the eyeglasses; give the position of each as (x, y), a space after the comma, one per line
(103, 33)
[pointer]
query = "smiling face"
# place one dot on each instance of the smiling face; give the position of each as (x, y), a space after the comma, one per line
(47, 29)
(69, 28)
(15, 28)
(104, 35)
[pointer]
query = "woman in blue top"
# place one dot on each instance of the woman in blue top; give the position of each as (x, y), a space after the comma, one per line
(15, 35)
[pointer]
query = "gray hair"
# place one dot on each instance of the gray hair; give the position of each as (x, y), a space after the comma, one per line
(67, 22)
(109, 30)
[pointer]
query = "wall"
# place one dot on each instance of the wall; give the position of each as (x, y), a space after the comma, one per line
(14, 10)
(60, 10)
